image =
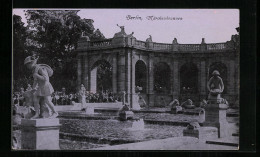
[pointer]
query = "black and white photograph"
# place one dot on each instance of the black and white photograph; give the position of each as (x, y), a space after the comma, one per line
(125, 79)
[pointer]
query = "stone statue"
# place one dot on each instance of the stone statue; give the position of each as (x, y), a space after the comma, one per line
(188, 104)
(149, 39)
(203, 41)
(42, 88)
(193, 125)
(175, 102)
(175, 41)
(83, 35)
(121, 33)
(203, 103)
(122, 28)
(175, 106)
(215, 86)
(82, 94)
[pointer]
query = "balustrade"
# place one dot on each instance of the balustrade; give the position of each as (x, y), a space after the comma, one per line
(189, 47)
(216, 46)
(101, 43)
(158, 46)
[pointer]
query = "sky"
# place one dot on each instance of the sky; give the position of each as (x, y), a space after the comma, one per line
(189, 25)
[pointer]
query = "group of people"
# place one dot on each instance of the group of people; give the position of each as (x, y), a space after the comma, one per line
(61, 98)
(100, 97)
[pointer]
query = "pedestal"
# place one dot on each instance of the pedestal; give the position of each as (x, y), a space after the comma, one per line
(215, 116)
(202, 133)
(40, 134)
(125, 115)
(89, 110)
(136, 105)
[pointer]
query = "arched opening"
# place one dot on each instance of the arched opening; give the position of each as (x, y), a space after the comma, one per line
(189, 79)
(162, 78)
(140, 77)
(101, 77)
(222, 69)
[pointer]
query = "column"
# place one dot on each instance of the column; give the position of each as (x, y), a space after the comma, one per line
(150, 80)
(114, 73)
(93, 80)
(128, 76)
(121, 72)
(85, 72)
(79, 71)
(231, 80)
(203, 80)
(176, 82)
(134, 96)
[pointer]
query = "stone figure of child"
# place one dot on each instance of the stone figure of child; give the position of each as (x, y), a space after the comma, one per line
(215, 85)
(42, 88)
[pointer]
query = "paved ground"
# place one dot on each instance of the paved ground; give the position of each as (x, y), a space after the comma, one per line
(183, 142)
(176, 143)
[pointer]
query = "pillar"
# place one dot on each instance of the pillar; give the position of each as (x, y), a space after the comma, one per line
(79, 71)
(215, 116)
(114, 73)
(176, 82)
(128, 76)
(121, 72)
(150, 80)
(203, 80)
(231, 77)
(134, 96)
(231, 80)
(85, 72)
(93, 80)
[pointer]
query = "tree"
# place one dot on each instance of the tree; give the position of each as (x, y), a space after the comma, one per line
(53, 35)
(20, 34)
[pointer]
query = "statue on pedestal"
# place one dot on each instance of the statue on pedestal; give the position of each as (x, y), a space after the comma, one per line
(82, 94)
(149, 39)
(42, 88)
(215, 86)
(122, 28)
(175, 106)
(188, 104)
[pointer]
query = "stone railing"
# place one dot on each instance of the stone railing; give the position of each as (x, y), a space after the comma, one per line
(162, 46)
(140, 44)
(101, 43)
(216, 46)
(152, 45)
(189, 47)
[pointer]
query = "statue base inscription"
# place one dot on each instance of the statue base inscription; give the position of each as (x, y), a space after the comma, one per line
(40, 134)
(215, 116)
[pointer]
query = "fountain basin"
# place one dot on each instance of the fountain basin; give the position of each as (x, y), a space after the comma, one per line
(113, 130)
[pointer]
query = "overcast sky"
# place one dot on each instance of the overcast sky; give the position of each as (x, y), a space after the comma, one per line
(215, 25)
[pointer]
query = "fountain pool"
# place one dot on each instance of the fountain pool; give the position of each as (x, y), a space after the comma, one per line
(115, 130)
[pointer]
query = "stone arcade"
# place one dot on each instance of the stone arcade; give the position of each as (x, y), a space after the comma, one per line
(164, 71)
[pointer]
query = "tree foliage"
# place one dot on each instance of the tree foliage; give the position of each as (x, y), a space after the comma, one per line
(53, 35)
(20, 34)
